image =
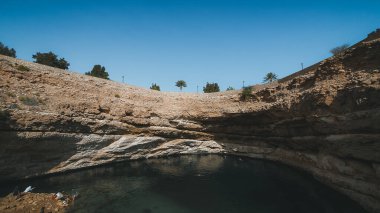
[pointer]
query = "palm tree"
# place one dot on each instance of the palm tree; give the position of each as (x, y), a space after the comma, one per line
(270, 77)
(181, 84)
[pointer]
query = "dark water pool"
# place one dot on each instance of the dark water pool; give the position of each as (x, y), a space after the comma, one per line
(195, 184)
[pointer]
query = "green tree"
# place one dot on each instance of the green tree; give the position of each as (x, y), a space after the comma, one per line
(98, 71)
(155, 87)
(339, 49)
(211, 87)
(246, 94)
(4, 50)
(270, 77)
(181, 84)
(230, 88)
(51, 59)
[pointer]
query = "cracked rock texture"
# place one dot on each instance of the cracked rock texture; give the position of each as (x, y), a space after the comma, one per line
(324, 120)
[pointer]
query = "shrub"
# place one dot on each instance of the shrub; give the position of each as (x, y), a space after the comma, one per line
(339, 49)
(98, 71)
(11, 94)
(23, 68)
(155, 87)
(4, 50)
(230, 88)
(117, 96)
(246, 94)
(51, 59)
(30, 101)
(13, 106)
(211, 87)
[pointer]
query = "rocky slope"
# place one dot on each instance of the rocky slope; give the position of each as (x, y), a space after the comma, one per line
(33, 202)
(325, 120)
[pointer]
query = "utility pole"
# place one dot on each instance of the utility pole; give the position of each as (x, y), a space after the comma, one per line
(302, 66)
(122, 78)
(243, 84)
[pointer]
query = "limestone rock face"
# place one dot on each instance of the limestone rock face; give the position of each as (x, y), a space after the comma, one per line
(325, 120)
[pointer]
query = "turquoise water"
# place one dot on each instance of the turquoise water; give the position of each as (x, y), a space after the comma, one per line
(187, 184)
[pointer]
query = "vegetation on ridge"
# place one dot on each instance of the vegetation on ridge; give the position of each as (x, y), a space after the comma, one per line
(230, 88)
(23, 68)
(246, 94)
(339, 49)
(98, 71)
(181, 84)
(51, 59)
(211, 87)
(270, 77)
(4, 50)
(155, 87)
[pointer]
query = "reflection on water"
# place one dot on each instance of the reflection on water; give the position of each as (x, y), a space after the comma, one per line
(210, 183)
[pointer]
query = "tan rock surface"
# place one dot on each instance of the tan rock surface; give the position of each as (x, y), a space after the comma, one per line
(32, 202)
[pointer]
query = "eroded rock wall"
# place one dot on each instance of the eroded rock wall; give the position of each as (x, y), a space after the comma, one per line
(325, 121)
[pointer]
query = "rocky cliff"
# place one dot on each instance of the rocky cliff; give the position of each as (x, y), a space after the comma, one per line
(325, 120)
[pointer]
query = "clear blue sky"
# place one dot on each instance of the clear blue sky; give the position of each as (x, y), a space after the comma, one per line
(199, 41)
